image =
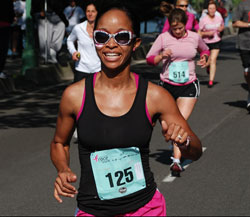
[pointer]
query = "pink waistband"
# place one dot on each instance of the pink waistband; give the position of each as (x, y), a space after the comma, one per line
(155, 207)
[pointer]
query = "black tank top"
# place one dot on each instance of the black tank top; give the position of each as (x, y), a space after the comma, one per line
(97, 131)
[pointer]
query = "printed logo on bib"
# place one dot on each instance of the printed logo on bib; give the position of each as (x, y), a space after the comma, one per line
(179, 72)
(117, 172)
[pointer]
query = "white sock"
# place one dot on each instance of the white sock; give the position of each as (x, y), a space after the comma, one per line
(175, 160)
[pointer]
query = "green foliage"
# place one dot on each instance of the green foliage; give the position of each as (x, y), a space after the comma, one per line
(236, 2)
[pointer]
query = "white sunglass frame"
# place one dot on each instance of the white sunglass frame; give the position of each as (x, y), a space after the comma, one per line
(131, 36)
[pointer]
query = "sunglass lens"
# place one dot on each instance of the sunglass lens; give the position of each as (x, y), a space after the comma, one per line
(122, 37)
(101, 37)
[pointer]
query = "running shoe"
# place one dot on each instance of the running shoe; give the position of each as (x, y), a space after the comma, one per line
(210, 84)
(176, 169)
(248, 102)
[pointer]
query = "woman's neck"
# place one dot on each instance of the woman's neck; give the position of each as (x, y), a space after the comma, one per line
(211, 16)
(91, 24)
(183, 36)
(117, 78)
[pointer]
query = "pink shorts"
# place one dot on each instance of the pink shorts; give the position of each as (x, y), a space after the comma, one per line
(155, 207)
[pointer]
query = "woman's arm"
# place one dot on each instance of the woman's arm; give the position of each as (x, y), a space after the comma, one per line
(174, 126)
(59, 147)
(221, 28)
(203, 32)
(204, 53)
(157, 52)
(241, 24)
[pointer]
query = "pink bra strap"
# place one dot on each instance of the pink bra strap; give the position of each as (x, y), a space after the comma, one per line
(84, 96)
(146, 107)
(83, 101)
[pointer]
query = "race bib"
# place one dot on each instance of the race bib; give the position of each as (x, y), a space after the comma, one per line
(179, 72)
(117, 172)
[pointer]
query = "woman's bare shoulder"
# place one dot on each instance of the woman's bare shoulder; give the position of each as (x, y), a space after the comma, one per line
(156, 92)
(73, 94)
(158, 98)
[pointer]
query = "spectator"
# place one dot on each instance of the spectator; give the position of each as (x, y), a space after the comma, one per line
(18, 28)
(222, 9)
(165, 10)
(229, 7)
(51, 27)
(6, 19)
(74, 15)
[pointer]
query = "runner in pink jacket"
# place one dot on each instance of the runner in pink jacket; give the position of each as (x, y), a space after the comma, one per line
(177, 50)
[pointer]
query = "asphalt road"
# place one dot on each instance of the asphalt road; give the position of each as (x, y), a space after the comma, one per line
(216, 185)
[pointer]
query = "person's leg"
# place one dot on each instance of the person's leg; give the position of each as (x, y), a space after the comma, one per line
(44, 26)
(186, 106)
(213, 59)
(186, 101)
(41, 37)
(57, 39)
(14, 41)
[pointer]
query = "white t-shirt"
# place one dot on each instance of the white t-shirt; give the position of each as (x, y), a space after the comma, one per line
(89, 61)
(204, 13)
(73, 15)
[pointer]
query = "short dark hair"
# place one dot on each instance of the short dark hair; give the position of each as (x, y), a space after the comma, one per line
(123, 6)
(212, 2)
(177, 16)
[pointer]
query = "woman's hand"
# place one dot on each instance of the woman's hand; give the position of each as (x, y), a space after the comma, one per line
(166, 53)
(62, 186)
(76, 56)
(203, 62)
(175, 133)
(221, 28)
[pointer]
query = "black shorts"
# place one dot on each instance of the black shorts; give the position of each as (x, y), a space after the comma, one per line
(191, 90)
(215, 45)
(245, 58)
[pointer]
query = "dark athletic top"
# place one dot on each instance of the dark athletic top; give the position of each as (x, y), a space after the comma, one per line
(97, 131)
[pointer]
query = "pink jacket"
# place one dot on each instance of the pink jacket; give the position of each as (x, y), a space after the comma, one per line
(190, 25)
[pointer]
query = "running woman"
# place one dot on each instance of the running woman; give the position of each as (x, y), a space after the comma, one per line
(114, 111)
(177, 50)
(211, 27)
(85, 56)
